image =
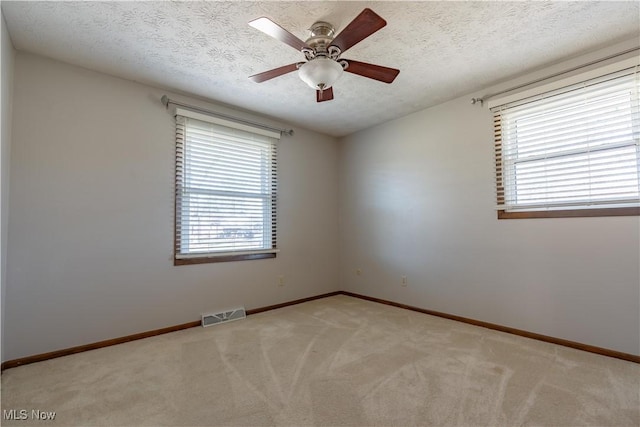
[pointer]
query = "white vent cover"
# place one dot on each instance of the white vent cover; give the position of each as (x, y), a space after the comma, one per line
(223, 316)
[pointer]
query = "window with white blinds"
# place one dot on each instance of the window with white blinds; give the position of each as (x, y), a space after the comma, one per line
(573, 149)
(226, 182)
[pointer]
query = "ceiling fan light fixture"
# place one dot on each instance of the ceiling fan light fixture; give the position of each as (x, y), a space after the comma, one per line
(320, 73)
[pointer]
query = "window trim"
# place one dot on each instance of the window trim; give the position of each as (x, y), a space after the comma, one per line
(531, 93)
(228, 256)
(570, 213)
(221, 258)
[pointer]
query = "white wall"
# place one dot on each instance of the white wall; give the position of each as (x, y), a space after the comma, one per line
(6, 95)
(91, 207)
(417, 199)
(90, 230)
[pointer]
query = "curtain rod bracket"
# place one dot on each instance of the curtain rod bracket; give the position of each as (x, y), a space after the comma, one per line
(475, 101)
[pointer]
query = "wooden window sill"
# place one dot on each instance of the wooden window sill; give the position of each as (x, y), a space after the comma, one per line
(224, 258)
(573, 213)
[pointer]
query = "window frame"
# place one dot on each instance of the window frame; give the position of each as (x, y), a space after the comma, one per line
(185, 258)
(531, 93)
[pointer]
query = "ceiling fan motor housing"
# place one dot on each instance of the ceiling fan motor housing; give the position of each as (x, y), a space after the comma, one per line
(321, 37)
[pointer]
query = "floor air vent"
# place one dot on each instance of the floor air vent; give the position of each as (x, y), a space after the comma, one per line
(223, 316)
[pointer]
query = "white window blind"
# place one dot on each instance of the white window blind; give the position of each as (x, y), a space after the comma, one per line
(573, 148)
(226, 183)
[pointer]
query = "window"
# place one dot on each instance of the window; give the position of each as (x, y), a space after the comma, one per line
(572, 151)
(226, 181)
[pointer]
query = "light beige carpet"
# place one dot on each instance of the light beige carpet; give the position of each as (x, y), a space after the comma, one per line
(335, 361)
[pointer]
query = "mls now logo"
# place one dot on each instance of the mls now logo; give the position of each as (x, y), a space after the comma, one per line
(15, 414)
(23, 414)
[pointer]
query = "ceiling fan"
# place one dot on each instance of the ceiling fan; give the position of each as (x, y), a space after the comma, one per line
(322, 51)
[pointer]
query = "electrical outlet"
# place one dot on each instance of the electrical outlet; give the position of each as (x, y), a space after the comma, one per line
(404, 281)
(281, 280)
(358, 272)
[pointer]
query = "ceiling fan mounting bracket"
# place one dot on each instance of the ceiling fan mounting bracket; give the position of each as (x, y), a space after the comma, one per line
(322, 28)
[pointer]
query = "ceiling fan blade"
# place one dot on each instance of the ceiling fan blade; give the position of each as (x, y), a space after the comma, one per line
(269, 27)
(276, 72)
(365, 24)
(325, 95)
(372, 71)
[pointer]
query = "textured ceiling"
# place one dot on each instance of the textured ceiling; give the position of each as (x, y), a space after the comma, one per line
(443, 49)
